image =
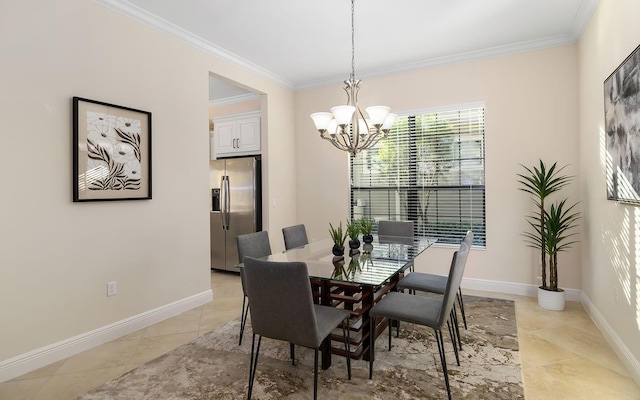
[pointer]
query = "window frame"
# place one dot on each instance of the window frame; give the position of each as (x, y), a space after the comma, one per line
(467, 214)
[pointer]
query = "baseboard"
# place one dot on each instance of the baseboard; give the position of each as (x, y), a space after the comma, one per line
(630, 362)
(38, 358)
(618, 346)
(513, 288)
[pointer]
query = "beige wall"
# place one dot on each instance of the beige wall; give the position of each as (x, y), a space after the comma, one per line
(611, 231)
(531, 112)
(55, 255)
(234, 108)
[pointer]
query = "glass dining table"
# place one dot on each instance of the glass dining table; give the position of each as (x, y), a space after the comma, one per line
(355, 282)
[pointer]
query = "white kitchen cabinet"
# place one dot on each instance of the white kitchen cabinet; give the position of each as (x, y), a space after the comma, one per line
(236, 135)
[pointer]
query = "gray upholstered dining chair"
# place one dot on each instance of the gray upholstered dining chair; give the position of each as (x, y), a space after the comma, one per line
(390, 231)
(254, 245)
(282, 308)
(433, 283)
(427, 311)
(294, 236)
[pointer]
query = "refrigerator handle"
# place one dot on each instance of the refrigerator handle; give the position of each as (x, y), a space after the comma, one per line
(223, 202)
(227, 199)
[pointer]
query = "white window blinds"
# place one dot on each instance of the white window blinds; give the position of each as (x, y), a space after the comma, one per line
(430, 170)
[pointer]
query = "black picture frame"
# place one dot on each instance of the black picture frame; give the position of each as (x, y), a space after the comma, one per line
(622, 130)
(111, 152)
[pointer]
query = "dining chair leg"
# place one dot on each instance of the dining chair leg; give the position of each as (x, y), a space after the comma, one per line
(243, 317)
(347, 345)
(452, 333)
(372, 344)
(456, 325)
(292, 351)
(443, 360)
(253, 364)
(390, 323)
(315, 374)
(461, 302)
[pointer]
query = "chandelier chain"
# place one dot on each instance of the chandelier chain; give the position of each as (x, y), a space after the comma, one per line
(353, 42)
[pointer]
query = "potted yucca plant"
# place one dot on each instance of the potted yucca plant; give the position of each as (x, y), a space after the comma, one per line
(551, 227)
(353, 231)
(366, 227)
(338, 237)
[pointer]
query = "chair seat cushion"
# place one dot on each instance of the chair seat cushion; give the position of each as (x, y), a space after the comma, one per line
(408, 308)
(423, 282)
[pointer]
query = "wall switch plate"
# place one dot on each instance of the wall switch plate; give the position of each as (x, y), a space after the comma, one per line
(111, 288)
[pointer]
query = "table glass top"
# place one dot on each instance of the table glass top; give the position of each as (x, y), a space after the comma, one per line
(371, 264)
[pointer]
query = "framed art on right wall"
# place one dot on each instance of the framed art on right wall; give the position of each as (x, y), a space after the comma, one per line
(622, 130)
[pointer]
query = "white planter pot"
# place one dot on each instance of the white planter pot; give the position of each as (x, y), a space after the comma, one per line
(550, 300)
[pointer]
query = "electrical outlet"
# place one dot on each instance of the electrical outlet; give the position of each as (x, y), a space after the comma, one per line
(112, 289)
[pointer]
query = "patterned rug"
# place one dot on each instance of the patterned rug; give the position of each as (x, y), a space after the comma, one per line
(214, 367)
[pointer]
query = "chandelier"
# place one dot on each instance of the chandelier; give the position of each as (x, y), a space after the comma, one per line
(347, 127)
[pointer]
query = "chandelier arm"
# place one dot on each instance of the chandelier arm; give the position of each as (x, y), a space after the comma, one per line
(376, 139)
(337, 144)
(346, 141)
(370, 140)
(335, 140)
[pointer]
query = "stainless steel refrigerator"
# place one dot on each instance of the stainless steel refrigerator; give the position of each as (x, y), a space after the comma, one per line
(236, 207)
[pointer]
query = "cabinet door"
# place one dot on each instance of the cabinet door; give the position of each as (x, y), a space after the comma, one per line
(225, 138)
(248, 134)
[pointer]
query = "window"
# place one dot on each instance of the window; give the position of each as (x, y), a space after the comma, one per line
(430, 170)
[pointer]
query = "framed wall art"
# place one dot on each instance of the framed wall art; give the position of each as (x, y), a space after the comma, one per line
(622, 130)
(111, 152)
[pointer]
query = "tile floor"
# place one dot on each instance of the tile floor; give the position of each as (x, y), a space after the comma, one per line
(563, 354)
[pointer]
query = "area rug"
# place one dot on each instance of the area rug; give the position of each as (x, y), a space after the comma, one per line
(214, 367)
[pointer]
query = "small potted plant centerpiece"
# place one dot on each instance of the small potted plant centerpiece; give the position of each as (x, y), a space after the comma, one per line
(338, 239)
(550, 228)
(353, 231)
(366, 227)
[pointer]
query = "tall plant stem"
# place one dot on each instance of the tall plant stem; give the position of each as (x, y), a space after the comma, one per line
(543, 253)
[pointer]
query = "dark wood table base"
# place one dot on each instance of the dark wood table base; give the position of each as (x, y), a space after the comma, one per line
(358, 300)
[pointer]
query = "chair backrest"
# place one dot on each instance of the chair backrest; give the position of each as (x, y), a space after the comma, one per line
(456, 271)
(468, 238)
(391, 231)
(294, 236)
(281, 301)
(254, 245)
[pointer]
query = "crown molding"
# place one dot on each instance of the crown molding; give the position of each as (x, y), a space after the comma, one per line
(448, 60)
(234, 99)
(586, 10)
(134, 12)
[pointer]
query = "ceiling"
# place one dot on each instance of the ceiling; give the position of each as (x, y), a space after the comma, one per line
(307, 43)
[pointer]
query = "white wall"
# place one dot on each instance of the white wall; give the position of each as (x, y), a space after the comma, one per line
(611, 231)
(531, 112)
(55, 255)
